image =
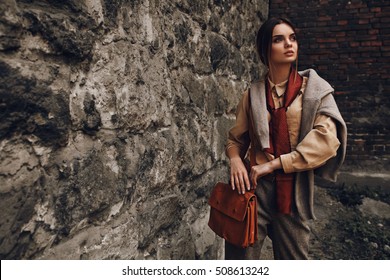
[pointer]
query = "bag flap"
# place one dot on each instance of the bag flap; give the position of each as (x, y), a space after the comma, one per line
(230, 202)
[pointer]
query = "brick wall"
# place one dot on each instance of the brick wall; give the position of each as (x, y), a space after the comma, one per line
(348, 43)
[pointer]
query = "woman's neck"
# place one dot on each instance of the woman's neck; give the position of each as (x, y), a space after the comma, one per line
(280, 73)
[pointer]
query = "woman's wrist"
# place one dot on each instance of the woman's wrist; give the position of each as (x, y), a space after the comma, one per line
(235, 158)
(276, 164)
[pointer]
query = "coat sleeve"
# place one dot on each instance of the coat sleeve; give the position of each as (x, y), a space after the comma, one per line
(319, 145)
(323, 147)
(238, 137)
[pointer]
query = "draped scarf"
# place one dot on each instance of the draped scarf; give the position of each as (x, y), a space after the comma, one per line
(280, 140)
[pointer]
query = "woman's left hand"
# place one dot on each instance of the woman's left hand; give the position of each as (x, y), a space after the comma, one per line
(258, 171)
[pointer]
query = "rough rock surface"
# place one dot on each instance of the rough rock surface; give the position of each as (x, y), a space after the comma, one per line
(113, 121)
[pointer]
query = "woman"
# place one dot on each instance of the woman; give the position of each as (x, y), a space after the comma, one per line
(289, 125)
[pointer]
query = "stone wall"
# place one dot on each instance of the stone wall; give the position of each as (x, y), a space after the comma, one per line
(348, 43)
(113, 121)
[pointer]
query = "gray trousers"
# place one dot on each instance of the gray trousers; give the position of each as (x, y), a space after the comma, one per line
(289, 233)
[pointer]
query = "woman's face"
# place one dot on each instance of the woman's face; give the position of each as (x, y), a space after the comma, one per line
(284, 47)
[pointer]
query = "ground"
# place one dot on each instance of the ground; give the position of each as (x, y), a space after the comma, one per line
(352, 223)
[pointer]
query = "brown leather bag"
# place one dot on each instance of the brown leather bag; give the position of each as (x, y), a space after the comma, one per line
(233, 216)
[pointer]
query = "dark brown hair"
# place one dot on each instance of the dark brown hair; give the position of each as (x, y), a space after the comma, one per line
(264, 37)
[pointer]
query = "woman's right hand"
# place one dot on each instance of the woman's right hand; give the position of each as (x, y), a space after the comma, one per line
(239, 178)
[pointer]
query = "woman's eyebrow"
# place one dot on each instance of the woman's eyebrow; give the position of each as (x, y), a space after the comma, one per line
(280, 35)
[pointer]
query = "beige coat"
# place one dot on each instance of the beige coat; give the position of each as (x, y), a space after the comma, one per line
(321, 140)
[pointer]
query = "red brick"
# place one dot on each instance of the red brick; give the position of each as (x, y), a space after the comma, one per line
(385, 20)
(342, 22)
(324, 18)
(355, 5)
(340, 34)
(375, 20)
(376, 44)
(326, 40)
(385, 48)
(364, 21)
(366, 37)
(366, 44)
(323, 23)
(373, 31)
(362, 15)
(354, 44)
(380, 148)
(364, 12)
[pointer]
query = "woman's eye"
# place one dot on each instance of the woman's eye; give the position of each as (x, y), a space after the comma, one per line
(293, 38)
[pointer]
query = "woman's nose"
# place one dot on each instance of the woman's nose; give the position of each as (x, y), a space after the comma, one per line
(288, 43)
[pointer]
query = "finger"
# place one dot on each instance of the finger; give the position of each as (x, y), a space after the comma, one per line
(247, 182)
(254, 183)
(253, 177)
(237, 183)
(242, 186)
(232, 182)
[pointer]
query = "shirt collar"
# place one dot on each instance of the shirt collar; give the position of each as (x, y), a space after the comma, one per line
(279, 88)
